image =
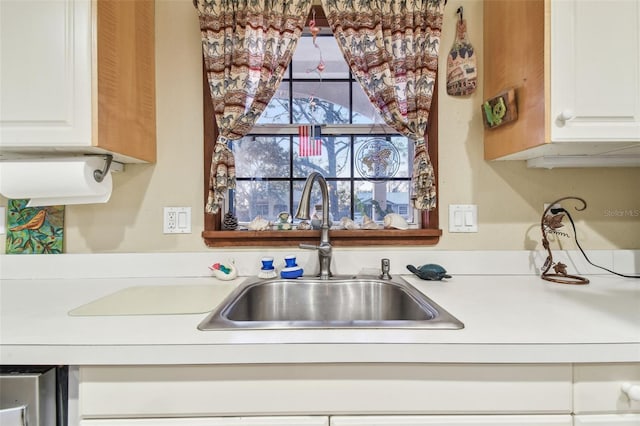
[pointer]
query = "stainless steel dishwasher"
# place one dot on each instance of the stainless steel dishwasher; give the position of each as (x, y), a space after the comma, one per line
(33, 395)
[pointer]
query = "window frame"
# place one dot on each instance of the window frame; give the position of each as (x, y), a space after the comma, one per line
(214, 236)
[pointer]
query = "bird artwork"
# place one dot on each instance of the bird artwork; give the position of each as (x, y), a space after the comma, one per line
(34, 223)
(429, 272)
(34, 230)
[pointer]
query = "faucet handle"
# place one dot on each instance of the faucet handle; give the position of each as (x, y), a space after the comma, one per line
(323, 249)
(385, 265)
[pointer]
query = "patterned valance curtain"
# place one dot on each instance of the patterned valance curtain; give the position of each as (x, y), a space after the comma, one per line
(392, 49)
(247, 46)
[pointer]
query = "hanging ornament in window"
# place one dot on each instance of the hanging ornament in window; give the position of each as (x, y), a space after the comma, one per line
(319, 68)
(312, 27)
(377, 159)
(315, 30)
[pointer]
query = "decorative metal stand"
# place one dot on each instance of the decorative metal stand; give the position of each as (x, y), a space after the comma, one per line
(550, 224)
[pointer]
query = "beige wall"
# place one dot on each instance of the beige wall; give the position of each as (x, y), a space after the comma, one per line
(510, 196)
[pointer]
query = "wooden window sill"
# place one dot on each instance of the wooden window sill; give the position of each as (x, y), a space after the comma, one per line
(339, 238)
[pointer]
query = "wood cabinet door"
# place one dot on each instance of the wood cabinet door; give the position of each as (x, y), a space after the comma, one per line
(45, 75)
(595, 70)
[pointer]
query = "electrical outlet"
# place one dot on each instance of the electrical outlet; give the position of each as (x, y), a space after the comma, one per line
(177, 220)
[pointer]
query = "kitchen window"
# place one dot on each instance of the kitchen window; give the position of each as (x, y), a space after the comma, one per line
(272, 163)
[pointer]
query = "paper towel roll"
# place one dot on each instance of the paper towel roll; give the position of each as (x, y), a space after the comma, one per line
(53, 181)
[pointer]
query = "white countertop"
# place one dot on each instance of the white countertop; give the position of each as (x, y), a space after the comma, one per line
(508, 319)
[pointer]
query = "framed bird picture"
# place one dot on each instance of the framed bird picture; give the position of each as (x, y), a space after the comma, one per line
(34, 230)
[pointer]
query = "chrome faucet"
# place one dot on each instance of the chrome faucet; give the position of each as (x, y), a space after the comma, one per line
(324, 248)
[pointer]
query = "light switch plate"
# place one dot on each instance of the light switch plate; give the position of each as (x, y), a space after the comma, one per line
(463, 218)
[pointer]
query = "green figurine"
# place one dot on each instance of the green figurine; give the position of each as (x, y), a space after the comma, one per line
(430, 272)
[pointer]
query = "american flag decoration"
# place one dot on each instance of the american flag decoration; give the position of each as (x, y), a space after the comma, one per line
(310, 141)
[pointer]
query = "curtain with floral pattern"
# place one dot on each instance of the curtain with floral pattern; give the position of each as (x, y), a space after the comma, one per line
(392, 49)
(247, 46)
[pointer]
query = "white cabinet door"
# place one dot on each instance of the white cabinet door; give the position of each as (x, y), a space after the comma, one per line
(497, 420)
(595, 70)
(300, 389)
(598, 388)
(608, 420)
(148, 422)
(45, 73)
(215, 421)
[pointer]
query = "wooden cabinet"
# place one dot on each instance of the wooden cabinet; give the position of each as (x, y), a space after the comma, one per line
(78, 76)
(575, 66)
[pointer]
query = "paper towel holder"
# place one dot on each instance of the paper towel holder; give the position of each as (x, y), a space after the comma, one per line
(58, 180)
(99, 175)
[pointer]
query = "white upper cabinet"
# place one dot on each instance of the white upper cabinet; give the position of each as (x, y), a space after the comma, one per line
(595, 70)
(77, 76)
(45, 77)
(575, 67)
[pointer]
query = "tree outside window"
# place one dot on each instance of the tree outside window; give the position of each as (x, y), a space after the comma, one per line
(365, 163)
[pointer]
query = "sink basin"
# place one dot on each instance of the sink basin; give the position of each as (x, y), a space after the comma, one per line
(347, 302)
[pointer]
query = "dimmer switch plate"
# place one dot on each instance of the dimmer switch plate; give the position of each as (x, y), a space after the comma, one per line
(463, 218)
(177, 220)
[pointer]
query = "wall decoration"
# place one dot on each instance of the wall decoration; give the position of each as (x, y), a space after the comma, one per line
(500, 109)
(462, 70)
(34, 230)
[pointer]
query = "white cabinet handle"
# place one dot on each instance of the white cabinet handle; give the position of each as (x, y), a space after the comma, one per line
(632, 391)
(566, 115)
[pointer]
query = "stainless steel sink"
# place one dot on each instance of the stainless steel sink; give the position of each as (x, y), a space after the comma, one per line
(341, 302)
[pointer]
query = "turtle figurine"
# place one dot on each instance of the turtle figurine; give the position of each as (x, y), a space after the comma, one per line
(430, 272)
